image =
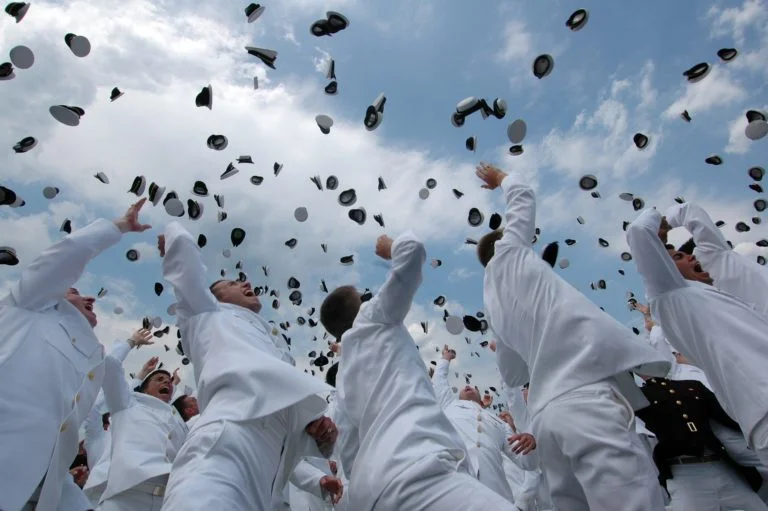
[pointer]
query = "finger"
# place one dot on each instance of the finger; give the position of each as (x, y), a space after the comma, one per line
(145, 227)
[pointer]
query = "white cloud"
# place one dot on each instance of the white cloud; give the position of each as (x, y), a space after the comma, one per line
(719, 88)
(517, 44)
(735, 21)
(738, 143)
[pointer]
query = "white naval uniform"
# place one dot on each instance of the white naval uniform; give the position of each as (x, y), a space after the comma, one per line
(51, 367)
(719, 333)
(410, 456)
(581, 396)
(304, 482)
(146, 435)
(254, 406)
(484, 435)
(732, 272)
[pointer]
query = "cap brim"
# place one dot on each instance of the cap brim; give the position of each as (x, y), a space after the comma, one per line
(64, 115)
(80, 46)
(516, 131)
(22, 57)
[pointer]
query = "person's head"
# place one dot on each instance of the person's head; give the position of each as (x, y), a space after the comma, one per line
(82, 303)
(339, 310)
(470, 393)
(486, 246)
(187, 407)
(681, 359)
(158, 384)
(330, 375)
(236, 293)
(105, 421)
(687, 247)
(688, 266)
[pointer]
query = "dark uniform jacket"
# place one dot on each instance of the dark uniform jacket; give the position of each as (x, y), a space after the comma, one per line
(679, 415)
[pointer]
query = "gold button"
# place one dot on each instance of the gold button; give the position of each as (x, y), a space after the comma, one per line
(696, 397)
(678, 402)
(63, 427)
(173, 411)
(663, 384)
(685, 416)
(691, 390)
(671, 391)
(91, 376)
(77, 397)
(655, 402)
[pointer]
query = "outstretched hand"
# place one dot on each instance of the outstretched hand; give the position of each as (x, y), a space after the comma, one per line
(141, 337)
(448, 353)
(384, 247)
(333, 488)
(523, 443)
(130, 221)
(148, 367)
(161, 245)
(490, 175)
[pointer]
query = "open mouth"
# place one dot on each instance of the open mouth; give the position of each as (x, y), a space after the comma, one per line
(249, 292)
(698, 268)
(165, 391)
(89, 307)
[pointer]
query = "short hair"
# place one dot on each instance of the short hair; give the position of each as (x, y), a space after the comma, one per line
(212, 286)
(339, 310)
(669, 246)
(330, 375)
(486, 246)
(687, 247)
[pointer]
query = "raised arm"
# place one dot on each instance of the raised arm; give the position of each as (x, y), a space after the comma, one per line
(183, 267)
(117, 393)
(705, 233)
(654, 263)
(520, 211)
(393, 301)
(94, 432)
(440, 380)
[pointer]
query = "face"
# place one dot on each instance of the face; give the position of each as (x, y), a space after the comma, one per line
(470, 393)
(689, 267)
(189, 405)
(82, 303)
(237, 293)
(680, 358)
(525, 394)
(160, 386)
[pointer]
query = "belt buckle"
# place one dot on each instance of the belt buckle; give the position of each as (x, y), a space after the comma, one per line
(158, 491)
(692, 427)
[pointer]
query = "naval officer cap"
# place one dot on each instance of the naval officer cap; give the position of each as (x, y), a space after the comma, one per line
(638, 203)
(685, 116)
(727, 54)
(742, 227)
(8, 256)
(495, 222)
(25, 144)
(8, 197)
(17, 10)
(138, 186)
(22, 57)
(475, 218)
(374, 114)
(471, 143)
(200, 189)
(588, 182)
(516, 150)
(79, 45)
(155, 193)
(268, 57)
(550, 253)
(347, 260)
(439, 301)
(204, 98)
(50, 192)
(756, 129)
(324, 122)
(333, 23)
(301, 214)
(256, 180)
(348, 197)
(158, 288)
(379, 219)
(237, 236)
(254, 11)
(760, 205)
(543, 66)
(115, 94)
(697, 72)
(603, 243)
(67, 115)
(194, 209)
(756, 187)
(714, 160)
(358, 215)
(217, 142)
(132, 255)
(577, 20)
(291, 243)
(66, 226)
(756, 173)
(516, 131)
(173, 205)
(640, 140)
(331, 182)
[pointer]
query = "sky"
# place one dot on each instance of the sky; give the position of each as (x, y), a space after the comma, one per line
(621, 74)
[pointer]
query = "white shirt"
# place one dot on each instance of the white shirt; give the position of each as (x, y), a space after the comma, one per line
(485, 435)
(547, 332)
(732, 272)
(146, 433)
(50, 369)
(722, 335)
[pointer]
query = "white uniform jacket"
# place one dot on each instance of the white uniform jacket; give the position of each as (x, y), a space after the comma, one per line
(146, 433)
(485, 435)
(722, 335)
(50, 369)
(549, 333)
(732, 272)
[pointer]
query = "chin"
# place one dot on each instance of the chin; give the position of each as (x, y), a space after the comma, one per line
(92, 320)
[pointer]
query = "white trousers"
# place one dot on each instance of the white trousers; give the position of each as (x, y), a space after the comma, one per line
(227, 466)
(132, 500)
(711, 487)
(433, 484)
(591, 455)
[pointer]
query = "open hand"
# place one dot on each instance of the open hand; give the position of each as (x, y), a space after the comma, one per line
(448, 353)
(525, 443)
(490, 175)
(148, 367)
(130, 221)
(141, 337)
(333, 488)
(176, 378)
(384, 247)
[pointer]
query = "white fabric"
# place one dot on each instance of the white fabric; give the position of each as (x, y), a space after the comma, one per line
(732, 273)
(133, 499)
(387, 394)
(758, 440)
(72, 498)
(720, 334)
(591, 454)
(484, 435)
(46, 336)
(146, 433)
(678, 371)
(546, 330)
(710, 487)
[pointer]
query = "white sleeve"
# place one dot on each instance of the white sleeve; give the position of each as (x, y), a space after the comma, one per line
(513, 369)
(46, 280)
(117, 393)
(307, 477)
(705, 233)
(657, 268)
(94, 432)
(440, 383)
(120, 350)
(520, 213)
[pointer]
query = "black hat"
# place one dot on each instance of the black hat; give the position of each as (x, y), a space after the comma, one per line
(382, 185)
(762, 243)
(757, 220)
(132, 255)
(756, 173)
(348, 197)
(293, 283)
(603, 243)
(253, 11)
(686, 116)
(205, 97)
(116, 93)
(638, 203)
(291, 243)
(588, 182)
(66, 226)
(640, 140)
(295, 297)
(357, 215)
(347, 260)
(439, 301)
(756, 187)
(324, 122)
(331, 182)
(570, 242)
(550, 253)
(516, 150)
(256, 180)
(334, 22)
(470, 143)
(742, 227)
(276, 168)
(79, 45)
(138, 186)
(626, 256)
(237, 236)
(727, 54)
(200, 189)
(760, 205)
(697, 72)
(431, 183)
(495, 221)
(714, 160)
(475, 217)
(577, 20)
(67, 115)
(719, 223)
(25, 144)
(543, 65)
(231, 171)
(6, 71)
(374, 114)
(471, 323)
(194, 209)
(8, 256)
(17, 10)
(379, 219)
(755, 115)
(458, 194)
(332, 88)
(268, 57)
(155, 193)
(761, 260)
(217, 142)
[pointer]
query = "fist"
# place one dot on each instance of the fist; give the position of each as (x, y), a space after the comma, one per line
(448, 353)
(384, 247)
(161, 245)
(332, 487)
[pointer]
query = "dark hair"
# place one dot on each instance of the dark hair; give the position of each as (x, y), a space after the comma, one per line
(486, 246)
(214, 285)
(670, 247)
(339, 310)
(330, 376)
(687, 247)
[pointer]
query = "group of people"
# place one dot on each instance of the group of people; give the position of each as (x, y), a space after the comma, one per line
(598, 418)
